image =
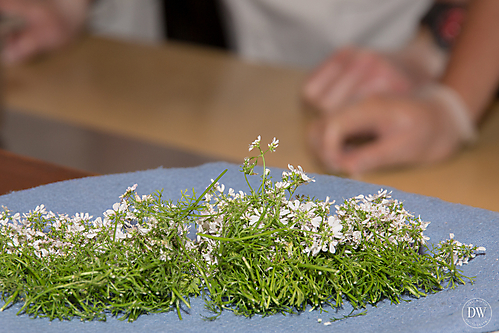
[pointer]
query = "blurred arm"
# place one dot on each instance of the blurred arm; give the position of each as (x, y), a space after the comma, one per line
(473, 68)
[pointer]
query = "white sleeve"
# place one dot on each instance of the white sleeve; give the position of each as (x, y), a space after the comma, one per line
(139, 20)
(304, 32)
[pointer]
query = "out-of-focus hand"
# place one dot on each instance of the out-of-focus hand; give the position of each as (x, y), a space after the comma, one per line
(352, 74)
(402, 130)
(47, 25)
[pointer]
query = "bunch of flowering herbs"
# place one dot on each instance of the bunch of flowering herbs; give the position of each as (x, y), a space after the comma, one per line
(265, 252)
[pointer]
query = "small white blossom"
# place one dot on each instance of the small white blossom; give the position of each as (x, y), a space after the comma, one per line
(255, 143)
(273, 145)
(316, 221)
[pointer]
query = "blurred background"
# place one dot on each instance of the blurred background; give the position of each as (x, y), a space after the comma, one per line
(142, 84)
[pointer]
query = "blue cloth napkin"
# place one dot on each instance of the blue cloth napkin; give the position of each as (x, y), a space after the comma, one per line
(439, 312)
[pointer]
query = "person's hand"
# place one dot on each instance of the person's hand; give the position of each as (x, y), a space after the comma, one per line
(47, 25)
(353, 74)
(401, 131)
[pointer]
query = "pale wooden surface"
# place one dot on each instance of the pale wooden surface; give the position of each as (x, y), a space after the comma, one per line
(208, 102)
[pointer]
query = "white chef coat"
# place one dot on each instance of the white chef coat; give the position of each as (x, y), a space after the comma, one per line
(304, 32)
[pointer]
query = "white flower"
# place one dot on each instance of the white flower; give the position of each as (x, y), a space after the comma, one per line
(220, 188)
(316, 221)
(117, 208)
(144, 198)
(255, 143)
(76, 227)
(253, 219)
(274, 144)
(143, 230)
(300, 173)
(294, 205)
(208, 197)
(284, 212)
(214, 226)
(282, 185)
(129, 190)
(315, 249)
(91, 234)
(335, 224)
(40, 209)
(120, 234)
(332, 247)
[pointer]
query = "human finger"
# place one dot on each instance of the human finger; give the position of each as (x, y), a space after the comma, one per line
(389, 135)
(332, 135)
(385, 76)
(19, 47)
(344, 87)
(319, 80)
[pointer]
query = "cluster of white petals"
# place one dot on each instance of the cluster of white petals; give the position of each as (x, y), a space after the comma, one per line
(48, 234)
(273, 145)
(457, 252)
(360, 221)
(379, 218)
(255, 143)
(298, 224)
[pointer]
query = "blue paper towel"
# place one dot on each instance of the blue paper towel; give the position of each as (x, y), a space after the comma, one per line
(439, 312)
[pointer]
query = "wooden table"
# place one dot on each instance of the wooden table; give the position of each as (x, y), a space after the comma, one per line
(212, 103)
(21, 172)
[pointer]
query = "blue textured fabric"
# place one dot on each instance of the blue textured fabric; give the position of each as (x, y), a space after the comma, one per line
(439, 312)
